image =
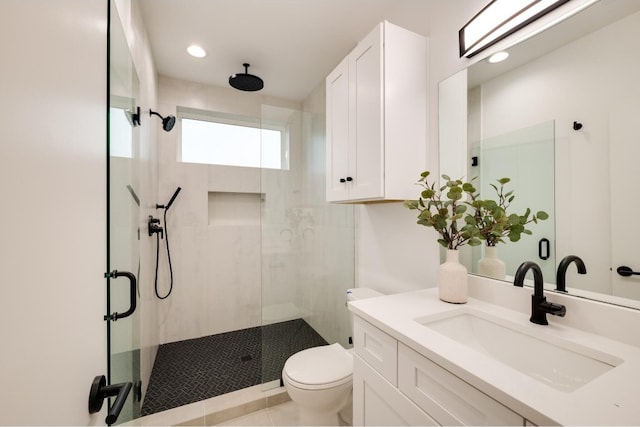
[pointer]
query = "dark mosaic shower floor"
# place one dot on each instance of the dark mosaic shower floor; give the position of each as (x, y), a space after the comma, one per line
(197, 369)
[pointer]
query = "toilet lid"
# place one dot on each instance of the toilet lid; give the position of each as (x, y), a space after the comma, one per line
(322, 365)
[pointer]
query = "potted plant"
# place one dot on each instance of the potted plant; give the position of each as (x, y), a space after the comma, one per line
(494, 224)
(444, 209)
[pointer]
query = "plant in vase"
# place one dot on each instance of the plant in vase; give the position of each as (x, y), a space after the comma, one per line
(444, 210)
(494, 224)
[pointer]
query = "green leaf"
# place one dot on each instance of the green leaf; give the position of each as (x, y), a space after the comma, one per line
(542, 215)
(460, 209)
(514, 219)
(474, 242)
(411, 204)
(503, 181)
(446, 177)
(425, 174)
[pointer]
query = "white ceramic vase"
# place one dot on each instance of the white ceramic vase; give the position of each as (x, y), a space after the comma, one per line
(490, 265)
(452, 279)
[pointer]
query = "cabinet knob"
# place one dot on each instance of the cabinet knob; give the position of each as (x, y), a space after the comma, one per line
(349, 179)
(343, 180)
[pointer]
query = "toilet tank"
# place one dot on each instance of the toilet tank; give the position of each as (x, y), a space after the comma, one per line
(358, 294)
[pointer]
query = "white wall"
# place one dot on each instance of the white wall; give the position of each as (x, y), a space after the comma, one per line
(52, 181)
(572, 78)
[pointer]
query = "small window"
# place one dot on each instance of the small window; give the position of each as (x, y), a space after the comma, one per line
(120, 138)
(232, 141)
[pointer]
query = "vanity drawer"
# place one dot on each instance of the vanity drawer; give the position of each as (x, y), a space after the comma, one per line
(378, 403)
(377, 349)
(445, 397)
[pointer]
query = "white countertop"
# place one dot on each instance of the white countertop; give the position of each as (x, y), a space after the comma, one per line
(610, 399)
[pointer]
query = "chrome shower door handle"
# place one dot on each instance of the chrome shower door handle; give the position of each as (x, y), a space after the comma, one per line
(132, 294)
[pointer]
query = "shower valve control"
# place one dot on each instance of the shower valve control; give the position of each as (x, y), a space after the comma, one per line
(154, 226)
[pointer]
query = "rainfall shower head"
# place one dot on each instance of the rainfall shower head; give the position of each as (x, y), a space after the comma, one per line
(245, 81)
(167, 122)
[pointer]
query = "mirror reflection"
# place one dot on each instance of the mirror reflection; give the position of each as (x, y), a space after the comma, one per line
(587, 94)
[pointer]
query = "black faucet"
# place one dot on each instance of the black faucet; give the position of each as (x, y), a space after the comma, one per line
(539, 304)
(562, 271)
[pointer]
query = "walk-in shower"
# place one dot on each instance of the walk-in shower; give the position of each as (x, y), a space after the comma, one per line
(262, 265)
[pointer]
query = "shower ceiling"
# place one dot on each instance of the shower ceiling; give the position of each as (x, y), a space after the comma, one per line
(291, 44)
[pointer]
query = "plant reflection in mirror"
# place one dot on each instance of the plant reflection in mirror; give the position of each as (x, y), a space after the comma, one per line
(493, 221)
(446, 210)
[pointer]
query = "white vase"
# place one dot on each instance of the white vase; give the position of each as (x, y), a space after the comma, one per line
(452, 279)
(490, 265)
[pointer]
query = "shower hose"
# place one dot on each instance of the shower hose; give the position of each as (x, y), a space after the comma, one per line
(166, 238)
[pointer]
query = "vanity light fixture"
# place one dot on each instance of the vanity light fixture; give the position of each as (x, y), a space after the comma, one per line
(499, 19)
(498, 57)
(196, 51)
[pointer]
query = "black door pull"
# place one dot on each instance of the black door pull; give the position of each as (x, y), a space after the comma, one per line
(543, 248)
(132, 294)
(100, 391)
(625, 271)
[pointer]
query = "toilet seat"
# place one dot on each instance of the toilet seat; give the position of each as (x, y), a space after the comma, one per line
(318, 368)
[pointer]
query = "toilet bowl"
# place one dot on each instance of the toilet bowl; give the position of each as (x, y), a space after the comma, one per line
(320, 379)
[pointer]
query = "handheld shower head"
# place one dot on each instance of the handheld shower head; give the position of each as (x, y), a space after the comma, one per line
(167, 122)
(245, 81)
(175, 194)
(171, 200)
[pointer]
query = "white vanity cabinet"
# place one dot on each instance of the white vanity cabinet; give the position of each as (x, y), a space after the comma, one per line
(395, 385)
(376, 105)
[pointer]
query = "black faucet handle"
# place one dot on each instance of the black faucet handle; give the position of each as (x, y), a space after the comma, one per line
(553, 308)
(540, 307)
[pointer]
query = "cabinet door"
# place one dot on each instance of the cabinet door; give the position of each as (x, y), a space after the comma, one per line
(366, 160)
(377, 403)
(446, 397)
(337, 85)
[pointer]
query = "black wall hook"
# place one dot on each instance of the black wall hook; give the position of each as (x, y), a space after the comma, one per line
(577, 126)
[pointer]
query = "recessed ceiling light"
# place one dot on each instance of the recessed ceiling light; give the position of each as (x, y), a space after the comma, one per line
(498, 57)
(196, 51)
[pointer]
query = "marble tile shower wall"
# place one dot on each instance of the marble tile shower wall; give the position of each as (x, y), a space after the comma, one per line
(247, 246)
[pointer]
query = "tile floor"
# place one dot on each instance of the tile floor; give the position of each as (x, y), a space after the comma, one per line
(252, 406)
(193, 370)
(284, 414)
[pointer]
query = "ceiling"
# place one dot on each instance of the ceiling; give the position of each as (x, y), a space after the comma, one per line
(291, 44)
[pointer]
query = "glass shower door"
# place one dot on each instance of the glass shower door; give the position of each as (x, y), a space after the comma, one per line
(123, 218)
(308, 245)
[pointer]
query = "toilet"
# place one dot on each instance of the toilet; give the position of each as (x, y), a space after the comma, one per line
(320, 379)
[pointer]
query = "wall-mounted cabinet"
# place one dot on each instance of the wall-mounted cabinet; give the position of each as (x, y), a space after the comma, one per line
(376, 118)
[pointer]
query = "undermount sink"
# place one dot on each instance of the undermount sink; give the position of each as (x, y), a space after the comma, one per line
(561, 364)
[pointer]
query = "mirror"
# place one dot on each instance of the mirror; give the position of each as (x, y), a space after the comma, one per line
(579, 77)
